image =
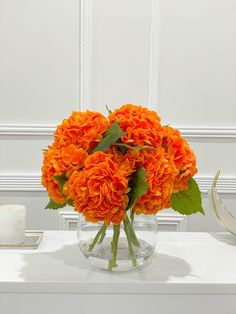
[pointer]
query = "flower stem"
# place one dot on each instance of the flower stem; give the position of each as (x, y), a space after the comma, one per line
(116, 234)
(131, 231)
(103, 234)
(95, 240)
(129, 240)
(132, 216)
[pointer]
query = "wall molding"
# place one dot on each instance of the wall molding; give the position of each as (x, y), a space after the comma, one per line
(32, 182)
(225, 185)
(21, 183)
(171, 221)
(153, 63)
(226, 133)
(208, 132)
(67, 220)
(85, 54)
(27, 129)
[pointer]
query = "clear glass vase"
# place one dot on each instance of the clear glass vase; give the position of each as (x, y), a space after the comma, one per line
(123, 247)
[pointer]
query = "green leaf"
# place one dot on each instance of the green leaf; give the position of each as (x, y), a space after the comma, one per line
(61, 180)
(122, 149)
(189, 201)
(135, 148)
(54, 205)
(138, 185)
(110, 137)
(45, 150)
(108, 110)
(70, 202)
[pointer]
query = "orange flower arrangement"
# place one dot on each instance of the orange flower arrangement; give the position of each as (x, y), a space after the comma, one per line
(105, 167)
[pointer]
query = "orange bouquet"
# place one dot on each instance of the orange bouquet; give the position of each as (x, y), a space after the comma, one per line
(104, 167)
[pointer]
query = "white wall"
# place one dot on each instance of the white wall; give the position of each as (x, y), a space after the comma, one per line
(197, 71)
(176, 56)
(39, 60)
(39, 85)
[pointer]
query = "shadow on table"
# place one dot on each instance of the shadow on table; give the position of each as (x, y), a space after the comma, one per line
(68, 264)
(227, 238)
(163, 267)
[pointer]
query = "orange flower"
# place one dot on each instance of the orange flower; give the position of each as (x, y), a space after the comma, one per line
(142, 126)
(125, 161)
(84, 129)
(161, 174)
(129, 161)
(184, 158)
(58, 161)
(99, 191)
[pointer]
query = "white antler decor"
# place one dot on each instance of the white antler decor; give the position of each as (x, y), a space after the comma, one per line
(223, 215)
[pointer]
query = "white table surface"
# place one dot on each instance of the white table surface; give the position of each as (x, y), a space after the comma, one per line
(184, 265)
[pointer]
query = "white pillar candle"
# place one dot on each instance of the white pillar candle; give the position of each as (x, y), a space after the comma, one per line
(12, 224)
